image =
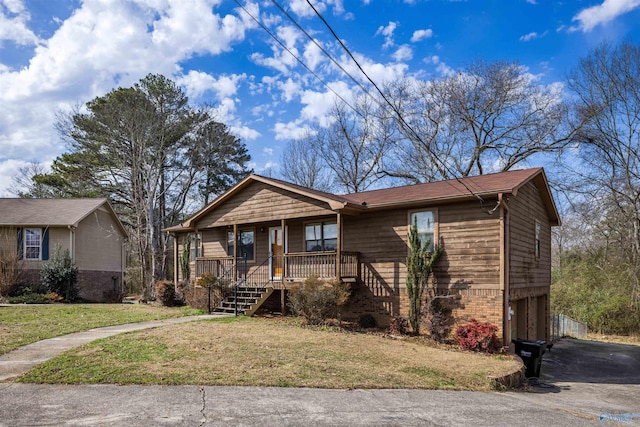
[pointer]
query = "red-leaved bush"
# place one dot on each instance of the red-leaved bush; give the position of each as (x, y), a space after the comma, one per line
(476, 336)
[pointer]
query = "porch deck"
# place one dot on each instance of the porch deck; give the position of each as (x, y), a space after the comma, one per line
(279, 270)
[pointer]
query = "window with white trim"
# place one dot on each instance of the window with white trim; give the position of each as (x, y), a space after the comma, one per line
(425, 222)
(33, 243)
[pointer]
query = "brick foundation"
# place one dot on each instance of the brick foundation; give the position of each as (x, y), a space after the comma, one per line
(100, 286)
(93, 286)
(383, 304)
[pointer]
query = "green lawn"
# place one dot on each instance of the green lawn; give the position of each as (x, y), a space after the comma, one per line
(24, 324)
(270, 352)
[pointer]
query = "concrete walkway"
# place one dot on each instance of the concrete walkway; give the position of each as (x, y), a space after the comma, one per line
(22, 359)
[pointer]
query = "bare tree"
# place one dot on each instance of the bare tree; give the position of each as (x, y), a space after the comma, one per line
(23, 183)
(607, 83)
(11, 266)
(489, 117)
(301, 164)
(354, 145)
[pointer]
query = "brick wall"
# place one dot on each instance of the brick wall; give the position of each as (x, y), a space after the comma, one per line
(99, 286)
(383, 304)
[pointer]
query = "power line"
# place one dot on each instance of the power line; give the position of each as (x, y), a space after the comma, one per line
(353, 79)
(273, 36)
(395, 110)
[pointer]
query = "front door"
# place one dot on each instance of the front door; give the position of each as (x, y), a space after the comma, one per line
(276, 243)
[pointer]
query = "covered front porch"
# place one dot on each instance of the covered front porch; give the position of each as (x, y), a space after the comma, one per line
(280, 270)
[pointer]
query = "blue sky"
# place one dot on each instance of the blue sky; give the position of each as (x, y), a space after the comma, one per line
(56, 54)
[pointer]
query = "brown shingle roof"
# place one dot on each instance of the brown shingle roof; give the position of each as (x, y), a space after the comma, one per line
(469, 187)
(503, 182)
(51, 212)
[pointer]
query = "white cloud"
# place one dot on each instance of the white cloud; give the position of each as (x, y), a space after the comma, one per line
(404, 53)
(268, 151)
(290, 89)
(609, 10)
(379, 73)
(435, 59)
(13, 23)
(245, 132)
(387, 32)
(281, 60)
(420, 35)
(197, 83)
(270, 165)
(313, 56)
(291, 130)
(532, 36)
(445, 70)
(302, 8)
(102, 45)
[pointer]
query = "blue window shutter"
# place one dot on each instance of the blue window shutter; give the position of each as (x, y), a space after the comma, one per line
(19, 239)
(45, 244)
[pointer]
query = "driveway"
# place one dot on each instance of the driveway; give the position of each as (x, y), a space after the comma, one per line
(589, 379)
(580, 382)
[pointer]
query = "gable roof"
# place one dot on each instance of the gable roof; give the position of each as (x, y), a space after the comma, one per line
(51, 212)
(469, 188)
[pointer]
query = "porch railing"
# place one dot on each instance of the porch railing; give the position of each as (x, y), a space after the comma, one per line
(216, 266)
(293, 265)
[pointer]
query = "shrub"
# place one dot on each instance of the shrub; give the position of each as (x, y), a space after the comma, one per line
(317, 300)
(367, 321)
(60, 275)
(197, 296)
(398, 326)
(10, 263)
(476, 336)
(166, 293)
(30, 299)
(440, 321)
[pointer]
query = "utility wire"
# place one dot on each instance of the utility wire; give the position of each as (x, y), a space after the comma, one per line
(395, 110)
(273, 36)
(285, 13)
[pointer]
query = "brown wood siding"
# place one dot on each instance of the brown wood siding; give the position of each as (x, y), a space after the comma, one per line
(262, 203)
(525, 269)
(214, 242)
(470, 237)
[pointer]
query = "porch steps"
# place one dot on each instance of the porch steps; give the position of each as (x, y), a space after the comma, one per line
(249, 300)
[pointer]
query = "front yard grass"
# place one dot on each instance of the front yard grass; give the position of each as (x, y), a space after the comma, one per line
(24, 324)
(269, 352)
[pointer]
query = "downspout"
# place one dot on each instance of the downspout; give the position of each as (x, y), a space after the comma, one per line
(72, 246)
(505, 268)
